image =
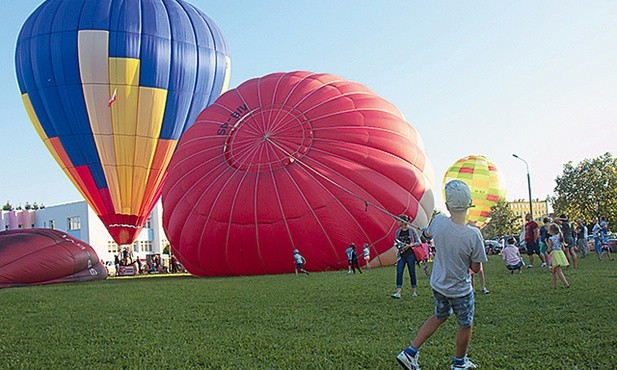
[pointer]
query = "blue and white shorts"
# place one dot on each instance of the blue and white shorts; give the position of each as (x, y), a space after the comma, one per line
(463, 308)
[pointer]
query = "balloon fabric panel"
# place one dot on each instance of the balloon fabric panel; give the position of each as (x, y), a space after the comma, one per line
(110, 86)
(44, 256)
(292, 160)
(485, 182)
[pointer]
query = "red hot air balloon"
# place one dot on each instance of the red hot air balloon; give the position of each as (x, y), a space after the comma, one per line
(45, 256)
(293, 161)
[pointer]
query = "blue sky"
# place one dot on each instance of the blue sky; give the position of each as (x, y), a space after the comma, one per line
(535, 78)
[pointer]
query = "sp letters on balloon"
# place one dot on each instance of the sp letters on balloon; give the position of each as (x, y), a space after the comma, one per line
(234, 116)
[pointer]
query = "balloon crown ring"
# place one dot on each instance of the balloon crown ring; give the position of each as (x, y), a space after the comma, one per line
(268, 138)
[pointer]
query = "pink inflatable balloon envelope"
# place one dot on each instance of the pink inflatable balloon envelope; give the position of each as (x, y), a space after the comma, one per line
(293, 161)
(44, 256)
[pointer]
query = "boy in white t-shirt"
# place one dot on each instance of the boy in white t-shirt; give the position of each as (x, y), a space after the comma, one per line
(458, 248)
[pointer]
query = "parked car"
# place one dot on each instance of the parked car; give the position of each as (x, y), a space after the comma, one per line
(492, 247)
(111, 268)
(612, 243)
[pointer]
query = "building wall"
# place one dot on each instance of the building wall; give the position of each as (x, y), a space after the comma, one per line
(520, 207)
(91, 230)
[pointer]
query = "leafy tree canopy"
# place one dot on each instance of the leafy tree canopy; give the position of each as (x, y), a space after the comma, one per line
(503, 221)
(588, 189)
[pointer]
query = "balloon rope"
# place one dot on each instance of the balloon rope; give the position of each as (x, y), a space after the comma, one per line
(366, 202)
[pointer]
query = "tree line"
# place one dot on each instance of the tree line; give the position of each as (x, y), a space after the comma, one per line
(585, 190)
(34, 206)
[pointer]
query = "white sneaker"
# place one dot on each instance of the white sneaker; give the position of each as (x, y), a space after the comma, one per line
(414, 294)
(485, 291)
(396, 295)
(529, 266)
(467, 364)
(408, 362)
(543, 265)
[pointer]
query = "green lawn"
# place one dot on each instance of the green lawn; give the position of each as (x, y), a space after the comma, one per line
(325, 320)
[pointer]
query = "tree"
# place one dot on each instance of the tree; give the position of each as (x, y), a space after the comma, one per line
(7, 207)
(503, 221)
(588, 189)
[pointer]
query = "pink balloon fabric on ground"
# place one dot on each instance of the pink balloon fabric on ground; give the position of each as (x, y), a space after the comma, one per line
(290, 161)
(44, 256)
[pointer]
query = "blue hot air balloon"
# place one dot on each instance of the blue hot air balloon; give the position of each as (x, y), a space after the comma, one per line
(110, 86)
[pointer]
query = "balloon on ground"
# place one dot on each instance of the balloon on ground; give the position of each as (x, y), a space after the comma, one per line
(290, 161)
(45, 256)
(110, 86)
(485, 182)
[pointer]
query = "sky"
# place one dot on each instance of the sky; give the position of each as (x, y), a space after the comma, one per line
(532, 78)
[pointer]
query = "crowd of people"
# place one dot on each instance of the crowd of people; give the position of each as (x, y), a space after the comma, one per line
(575, 236)
(127, 264)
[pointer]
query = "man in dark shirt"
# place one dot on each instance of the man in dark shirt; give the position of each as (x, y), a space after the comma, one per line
(531, 240)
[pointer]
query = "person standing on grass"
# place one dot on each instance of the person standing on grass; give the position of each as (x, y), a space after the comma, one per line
(606, 249)
(348, 252)
(581, 237)
(366, 253)
(568, 238)
(481, 277)
(531, 240)
(557, 257)
(512, 256)
(406, 238)
(354, 258)
(300, 262)
(458, 248)
(543, 236)
(596, 237)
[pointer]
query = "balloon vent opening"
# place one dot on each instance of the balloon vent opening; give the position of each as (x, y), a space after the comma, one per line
(267, 138)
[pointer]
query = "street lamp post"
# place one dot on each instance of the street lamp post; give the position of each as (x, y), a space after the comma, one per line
(528, 184)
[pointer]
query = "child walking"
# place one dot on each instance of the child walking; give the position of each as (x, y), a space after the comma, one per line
(557, 258)
(300, 262)
(458, 248)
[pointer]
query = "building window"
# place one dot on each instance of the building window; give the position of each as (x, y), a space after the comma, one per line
(146, 246)
(136, 246)
(148, 223)
(112, 247)
(73, 223)
(52, 224)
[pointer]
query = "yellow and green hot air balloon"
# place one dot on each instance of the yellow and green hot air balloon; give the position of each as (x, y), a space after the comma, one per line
(485, 182)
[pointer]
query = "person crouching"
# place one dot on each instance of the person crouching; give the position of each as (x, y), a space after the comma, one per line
(512, 256)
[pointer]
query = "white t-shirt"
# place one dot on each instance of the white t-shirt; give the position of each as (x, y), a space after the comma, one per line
(456, 247)
(366, 252)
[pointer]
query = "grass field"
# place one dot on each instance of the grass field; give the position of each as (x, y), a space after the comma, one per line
(325, 320)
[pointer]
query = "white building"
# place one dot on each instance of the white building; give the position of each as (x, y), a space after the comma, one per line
(79, 220)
